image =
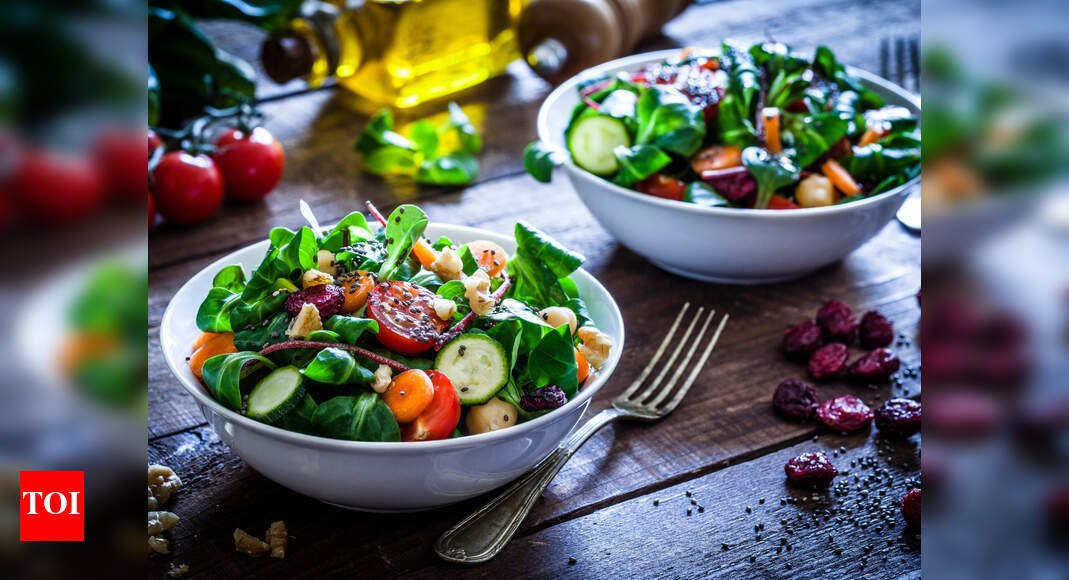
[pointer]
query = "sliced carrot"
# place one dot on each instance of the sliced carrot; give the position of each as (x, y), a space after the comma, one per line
(409, 394)
(356, 287)
(770, 117)
(870, 136)
(79, 347)
(840, 177)
(584, 367)
(424, 253)
(203, 338)
(716, 157)
(491, 257)
(221, 343)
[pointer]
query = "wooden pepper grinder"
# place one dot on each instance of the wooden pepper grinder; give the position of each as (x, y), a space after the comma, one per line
(560, 38)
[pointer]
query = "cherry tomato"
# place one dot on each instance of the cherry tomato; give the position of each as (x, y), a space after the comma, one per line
(251, 164)
(405, 312)
(440, 417)
(53, 188)
(410, 393)
(491, 257)
(659, 185)
(151, 212)
(356, 287)
(188, 188)
(154, 142)
(780, 202)
(118, 155)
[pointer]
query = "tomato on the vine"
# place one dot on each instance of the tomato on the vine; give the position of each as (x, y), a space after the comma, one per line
(117, 153)
(440, 417)
(405, 312)
(54, 188)
(187, 188)
(151, 211)
(251, 163)
(154, 142)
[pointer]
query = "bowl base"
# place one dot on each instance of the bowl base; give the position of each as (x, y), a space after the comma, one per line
(360, 508)
(736, 280)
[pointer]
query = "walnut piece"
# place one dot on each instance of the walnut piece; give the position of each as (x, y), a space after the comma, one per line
(595, 347)
(162, 483)
(306, 321)
(161, 521)
(178, 571)
(445, 309)
(448, 265)
(477, 291)
(277, 539)
(248, 544)
(383, 378)
(315, 277)
(158, 545)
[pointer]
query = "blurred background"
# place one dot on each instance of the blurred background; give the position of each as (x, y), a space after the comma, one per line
(76, 89)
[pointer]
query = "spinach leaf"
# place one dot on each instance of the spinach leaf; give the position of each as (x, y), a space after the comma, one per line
(825, 64)
(224, 373)
(424, 135)
(813, 135)
(362, 418)
(743, 80)
(552, 361)
(323, 336)
(350, 230)
(700, 193)
(337, 367)
(451, 169)
(877, 161)
(537, 245)
(637, 163)
(259, 335)
(539, 160)
(468, 263)
(350, 328)
(299, 418)
(770, 171)
(231, 277)
(213, 315)
(249, 315)
(667, 119)
(299, 253)
(734, 123)
(537, 266)
(442, 155)
(280, 236)
(404, 226)
(460, 129)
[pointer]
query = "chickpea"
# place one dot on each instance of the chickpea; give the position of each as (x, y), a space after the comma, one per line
(558, 315)
(492, 415)
(815, 191)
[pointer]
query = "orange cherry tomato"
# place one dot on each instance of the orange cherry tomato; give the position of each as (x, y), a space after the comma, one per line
(440, 417)
(356, 288)
(409, 394)
(584, 367)
(716, 157)
(491, 257)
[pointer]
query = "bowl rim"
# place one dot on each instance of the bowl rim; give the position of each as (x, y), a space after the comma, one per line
(636, 61)
(200, 394)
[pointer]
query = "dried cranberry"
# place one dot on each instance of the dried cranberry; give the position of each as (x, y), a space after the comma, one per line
(548, 397)
(845, 413)
(829, 361)
(810, 470)
(801, 341)
(837, 321)
(875, 367)
(911, 507)
(899, 417)
(733, 183)
(795, 400)
(875, 330)
(327, 298)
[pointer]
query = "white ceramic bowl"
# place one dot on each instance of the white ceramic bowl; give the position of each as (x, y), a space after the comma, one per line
(735, 246)
(384, 476)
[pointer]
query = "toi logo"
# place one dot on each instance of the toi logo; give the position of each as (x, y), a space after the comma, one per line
(50, 506)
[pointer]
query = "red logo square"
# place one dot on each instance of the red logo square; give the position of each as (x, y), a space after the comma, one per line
(51, 506)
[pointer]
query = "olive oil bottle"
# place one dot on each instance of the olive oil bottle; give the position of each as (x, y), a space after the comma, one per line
(396, 52)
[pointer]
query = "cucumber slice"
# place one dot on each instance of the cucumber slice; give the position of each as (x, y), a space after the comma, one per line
(477, 366)
(275, 395)
(592, 140)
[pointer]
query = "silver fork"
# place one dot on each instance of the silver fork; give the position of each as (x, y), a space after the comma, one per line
(483, 534)
(900, 62)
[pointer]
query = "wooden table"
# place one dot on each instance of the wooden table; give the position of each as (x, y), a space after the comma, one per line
(724, 446)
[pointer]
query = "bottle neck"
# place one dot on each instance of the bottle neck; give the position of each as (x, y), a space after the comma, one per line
(310, 48)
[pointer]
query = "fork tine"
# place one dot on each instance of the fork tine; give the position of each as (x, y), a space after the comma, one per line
(900, 61)
(657, 355)
(885, 59)
(697, 368)
(667, 389)
(652, 388)
(915, 62)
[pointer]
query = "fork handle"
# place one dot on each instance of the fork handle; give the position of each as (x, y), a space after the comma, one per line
(482, 535)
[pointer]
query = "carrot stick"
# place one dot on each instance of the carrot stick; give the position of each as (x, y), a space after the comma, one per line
(870, 136)
(424, 253)
(770, 116)
(840, 177)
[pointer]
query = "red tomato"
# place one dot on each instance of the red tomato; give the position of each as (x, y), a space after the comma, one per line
(55, 188)
(440, 417)
(151, 212)
(662, 186)
(118, 155)
(405, 312)
(780, 202)
(251, 164)
(154, 142)
(187, 188)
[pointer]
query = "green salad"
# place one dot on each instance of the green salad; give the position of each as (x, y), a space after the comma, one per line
(760, 128)
(380, 334)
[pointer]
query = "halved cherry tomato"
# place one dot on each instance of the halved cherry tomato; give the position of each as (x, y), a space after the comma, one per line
(356, 287)
(440, 418)
(405, 312)
(780, 202)
(584, 367)
(409, 394)
(659, 185)
(490, 256)
(251, 163)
